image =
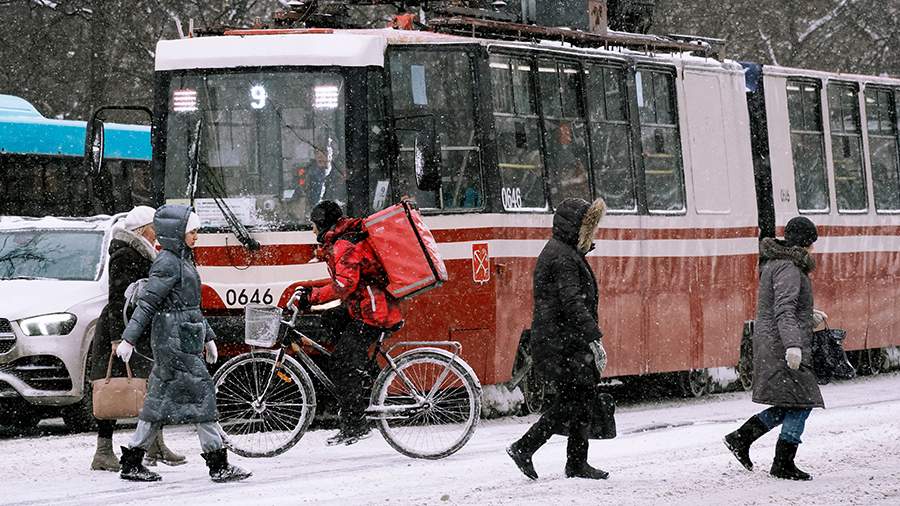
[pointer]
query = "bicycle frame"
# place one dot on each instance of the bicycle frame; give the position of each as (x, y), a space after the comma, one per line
(373, 412)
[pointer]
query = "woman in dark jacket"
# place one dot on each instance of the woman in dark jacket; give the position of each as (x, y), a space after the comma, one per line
(564, 329)
(180, 389)
(131, 252)
(782, 349)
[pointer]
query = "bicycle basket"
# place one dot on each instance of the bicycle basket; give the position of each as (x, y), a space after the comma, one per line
(261, 325)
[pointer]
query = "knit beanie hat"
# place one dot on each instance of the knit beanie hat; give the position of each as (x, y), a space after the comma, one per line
(139, 217)
(193, 223)
(800, 231)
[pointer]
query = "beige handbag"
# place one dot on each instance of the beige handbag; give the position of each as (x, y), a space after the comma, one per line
(116, 398)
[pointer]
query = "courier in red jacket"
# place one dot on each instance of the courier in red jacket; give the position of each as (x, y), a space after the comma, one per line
(367, 311)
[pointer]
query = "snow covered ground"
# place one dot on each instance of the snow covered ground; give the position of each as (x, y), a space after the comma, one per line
(667, 453)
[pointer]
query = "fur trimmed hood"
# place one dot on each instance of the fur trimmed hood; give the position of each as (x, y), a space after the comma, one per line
(575, 222)
(589, 225)
(136, 242)
(776, 249)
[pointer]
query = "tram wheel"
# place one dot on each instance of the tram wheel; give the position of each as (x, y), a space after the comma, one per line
(695, 383)
(873, 361)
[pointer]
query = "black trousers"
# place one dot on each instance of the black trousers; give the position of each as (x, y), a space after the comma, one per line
(351, 367)
(105, 428)
(569, 407)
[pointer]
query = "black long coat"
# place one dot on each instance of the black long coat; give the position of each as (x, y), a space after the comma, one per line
(129, 260)
(566, 300)
(784, 320)
(180, 389)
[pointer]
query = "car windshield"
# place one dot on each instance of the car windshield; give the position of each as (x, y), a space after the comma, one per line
(271, 145)
(50, 254)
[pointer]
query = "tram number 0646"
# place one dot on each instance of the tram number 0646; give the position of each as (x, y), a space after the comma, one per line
(512, 197)
(243, 297)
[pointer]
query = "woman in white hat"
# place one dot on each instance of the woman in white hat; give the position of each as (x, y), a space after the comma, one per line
(131, 252)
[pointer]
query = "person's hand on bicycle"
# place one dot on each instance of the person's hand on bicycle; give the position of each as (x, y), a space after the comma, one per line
(302, 299)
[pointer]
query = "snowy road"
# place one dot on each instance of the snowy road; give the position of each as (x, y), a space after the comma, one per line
(667, 453)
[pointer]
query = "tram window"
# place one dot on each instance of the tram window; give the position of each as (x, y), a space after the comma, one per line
(881, 120)
(846, 148)
(808, 146)
(438, 85)
(610, 137)
(518, 135)
(660, 141)
(565, 135)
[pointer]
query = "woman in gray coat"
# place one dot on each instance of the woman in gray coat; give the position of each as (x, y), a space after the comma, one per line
(180, 389)
(783, 376)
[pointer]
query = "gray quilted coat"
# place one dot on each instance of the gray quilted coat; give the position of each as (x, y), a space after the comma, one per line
(180, 389)
(784, 320)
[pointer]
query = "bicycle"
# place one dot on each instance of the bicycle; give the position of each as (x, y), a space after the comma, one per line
(426, 401)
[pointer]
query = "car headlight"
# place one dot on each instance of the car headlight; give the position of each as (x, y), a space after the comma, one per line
(57, 324)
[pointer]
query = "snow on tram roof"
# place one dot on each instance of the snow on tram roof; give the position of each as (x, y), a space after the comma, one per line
(352, 48)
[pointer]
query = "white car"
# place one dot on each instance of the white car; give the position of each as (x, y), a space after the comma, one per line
(53, 286)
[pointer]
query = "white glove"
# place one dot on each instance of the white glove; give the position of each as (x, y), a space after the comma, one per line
(599, 355)
(819, 318)
(212, 353)
(793, 356)
(124, 350)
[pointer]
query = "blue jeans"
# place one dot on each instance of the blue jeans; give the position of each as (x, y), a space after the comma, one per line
(792, 421)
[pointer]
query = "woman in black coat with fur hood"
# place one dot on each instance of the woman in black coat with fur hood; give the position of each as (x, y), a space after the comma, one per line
(565, 327)
(131, 252)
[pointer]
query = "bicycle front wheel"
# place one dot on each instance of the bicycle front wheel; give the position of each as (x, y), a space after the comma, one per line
(257, 421)
(428, 407)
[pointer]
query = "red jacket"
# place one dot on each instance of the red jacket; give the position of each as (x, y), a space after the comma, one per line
(356, 276)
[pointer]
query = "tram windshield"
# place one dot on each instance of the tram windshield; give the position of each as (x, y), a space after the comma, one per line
(265, 145)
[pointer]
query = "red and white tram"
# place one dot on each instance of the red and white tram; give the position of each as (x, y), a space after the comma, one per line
(254, 127)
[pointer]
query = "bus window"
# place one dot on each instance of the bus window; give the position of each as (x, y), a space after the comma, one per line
(808, 146)
(846, 148)
(881, 118)
(610, 137)
(518, 135)
(564, 131)
(438, 86)
(660, 141)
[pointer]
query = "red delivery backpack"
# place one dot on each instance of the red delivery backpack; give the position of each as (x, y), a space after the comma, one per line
(406, 249)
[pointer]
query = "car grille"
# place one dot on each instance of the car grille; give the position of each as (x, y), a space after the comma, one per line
(7, 338)
(41, 372)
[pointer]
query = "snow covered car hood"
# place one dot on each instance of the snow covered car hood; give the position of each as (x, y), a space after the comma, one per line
(21, 298)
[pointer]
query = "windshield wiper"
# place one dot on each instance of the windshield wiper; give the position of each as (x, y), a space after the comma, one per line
(218, 193)
(27, 277)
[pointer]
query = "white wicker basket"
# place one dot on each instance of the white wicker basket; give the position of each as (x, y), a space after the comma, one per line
(261, 325)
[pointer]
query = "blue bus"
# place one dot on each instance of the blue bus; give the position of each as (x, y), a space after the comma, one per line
(42, 165)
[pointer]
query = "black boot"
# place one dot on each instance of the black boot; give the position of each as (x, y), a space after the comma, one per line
(522, 458)
(220, 470)
(783, 466)
(740, 440)
(133, 468)
(576, 455)
(584, 470)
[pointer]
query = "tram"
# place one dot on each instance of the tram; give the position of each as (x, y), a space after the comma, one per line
(489, 125)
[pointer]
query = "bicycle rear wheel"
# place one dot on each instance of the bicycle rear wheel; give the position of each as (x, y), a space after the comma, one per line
(444, 422)
(257, 425)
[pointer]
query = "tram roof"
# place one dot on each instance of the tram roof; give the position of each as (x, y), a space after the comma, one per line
(23, 130)
(356, 48)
